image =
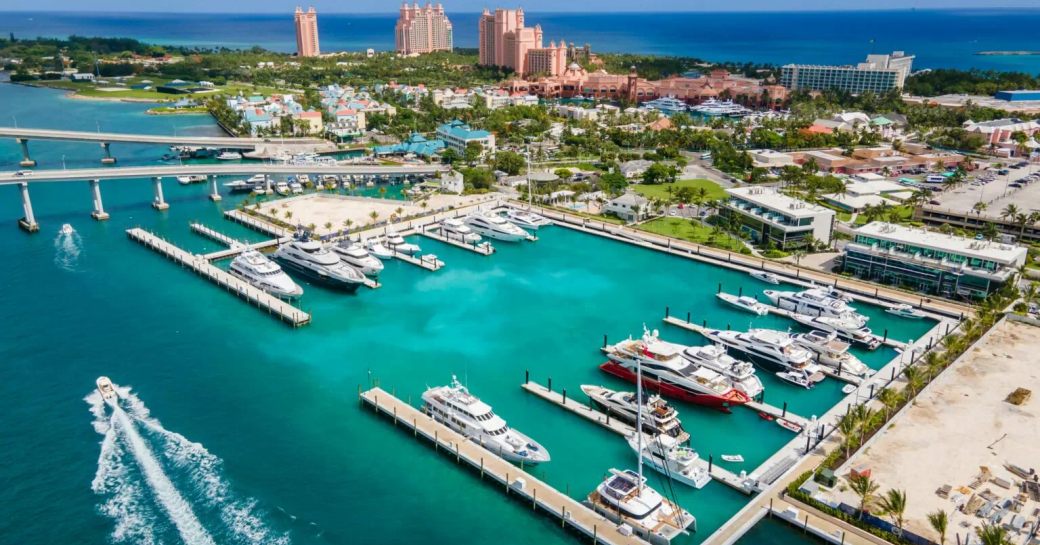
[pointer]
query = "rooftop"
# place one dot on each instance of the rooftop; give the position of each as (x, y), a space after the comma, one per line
(771, 198)
(993, 251)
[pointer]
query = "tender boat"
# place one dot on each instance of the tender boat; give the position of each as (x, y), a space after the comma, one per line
(260, 189)
(107, 391)
(832, 352)
(398, 244)
(229, 156)
(191, 179)
(303, 179)
(312, 260)
(905, 311)
(376, 247)
(67, 230)
(526, 220)
(788, 425)
(799, 378)
(845, 327)
(356, 256)
(457, 229)
(670, 457)
(281, 188)
(733, 458)
(658, 417)
(667, 371)
(813, 302)
(295, 188)
(496, 227)
(744, 302)
(255, 268)
(767, 347)
(766, 277)
(239, 186)
(848, 389)
(714, 357)
(464, 413)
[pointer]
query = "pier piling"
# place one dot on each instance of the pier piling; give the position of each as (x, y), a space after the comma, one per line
(784, 414)
(159, 203)
(28, 221)
(99, 208)
(214, 193)
(107, 158)
(26, 160)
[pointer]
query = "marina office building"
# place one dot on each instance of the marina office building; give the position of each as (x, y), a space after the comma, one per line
(786, 222)
(880, 74)
(929, 261)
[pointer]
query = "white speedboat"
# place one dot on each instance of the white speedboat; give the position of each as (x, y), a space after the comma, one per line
(832, 352)
(527, 220)
(464, 413)
(398, 244)
(744, 302)
(255, 268)
(796, 377)
(67, 230)
(260, 189)
(315, 262)
(659, 418)
(625, 499)
(358, 257)
(191, 179)
(767, 277)
(456, 229)
(741, 373)
(846, 327)
(813, 302)
(229, 156)
(496, 227)
(767, 347)
(303, 179)
(281, 188)
(295, 188)
(376, 247)
(905, 311)
(668, 456)
(107, 391)
(734, 458)
(239, 186)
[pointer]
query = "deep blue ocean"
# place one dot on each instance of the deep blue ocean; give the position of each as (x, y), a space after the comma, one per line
(939, 38)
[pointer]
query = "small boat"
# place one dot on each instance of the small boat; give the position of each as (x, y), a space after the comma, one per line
(745, 302)
(295, 188)
(905, 311)
(795, 377)
(735, 458)
(229, 156)
(281, 188)
(378, 249)
(107, 391)
(191, 179)
(848, 388)
(766, 277)
(67, 230)
(766, 416)
(259, 189)
(239, 186)
(788, 425)
(397, 243)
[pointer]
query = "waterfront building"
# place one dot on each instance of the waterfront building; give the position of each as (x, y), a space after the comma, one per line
(786, 222)
(310, 122)
(457, 135)
(879, 74)
(416, 144)
(505, 41)
(878, 160)
(306, 33)
(422, 29)
(258, 120)
(629, 207)
(929, 261)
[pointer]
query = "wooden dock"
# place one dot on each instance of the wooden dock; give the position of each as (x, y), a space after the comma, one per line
(213, 235)
(220, 277)
(515, 481)
(483, 248)
(427, 261)
(243, 218)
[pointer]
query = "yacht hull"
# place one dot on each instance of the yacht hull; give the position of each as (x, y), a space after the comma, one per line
(718, 402)
(318, 278)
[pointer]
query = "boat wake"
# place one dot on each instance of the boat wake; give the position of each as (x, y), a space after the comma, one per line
(159, 487)
(67, 247)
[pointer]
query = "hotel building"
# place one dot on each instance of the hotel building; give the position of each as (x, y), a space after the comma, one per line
(879, 74)
(456, 135)
(306, 33)
(929, 261)
(504, 41)
(766, 214)
(422, 30)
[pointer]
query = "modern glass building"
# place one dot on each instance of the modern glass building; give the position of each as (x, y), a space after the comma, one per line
(929, 261)
(880, 74)
(765, 213)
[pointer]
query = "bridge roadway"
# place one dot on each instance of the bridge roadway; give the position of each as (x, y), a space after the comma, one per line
(237, 169)
(109, 137)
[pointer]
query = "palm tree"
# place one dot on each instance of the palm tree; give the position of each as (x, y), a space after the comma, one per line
(399, 211)
(847, 426)
(889, 398)
(992, 534)
(938, 520)
(382, 192)
(893, 505)
(328, 225)
(913, 378)
(374, 215)
(979, 208)
(1009, 212)
(288, 214)
(864, 488)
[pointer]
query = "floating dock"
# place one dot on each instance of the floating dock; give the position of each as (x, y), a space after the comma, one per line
(427, 261)
(514, 480)
(484, 248)
(213, 235)
(222, 278)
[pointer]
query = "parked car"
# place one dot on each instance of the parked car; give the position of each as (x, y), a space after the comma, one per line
(23, 173)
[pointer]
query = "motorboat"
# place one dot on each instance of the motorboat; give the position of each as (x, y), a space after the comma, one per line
(526, 220)
(733, 458)
(766, 277)
(398, 244)
(814, 302)
(834, 292)
(107, 390)
(455, 407)
(191, 179)
(625, 499)
(658, 417)
(905, 311)
(255, 268)
(304, 179)
(312, 260)
(281, 188)
(496, 227)
(788, 425)
(357, 256)
(457, 229)
(832, 352)
(376, 247)
(260, 189)
(714, 357)
(67, 230)
(767, 347)
(796, 377)
(669, 373)
(848, 389)
(295, 188)
(846, 328)
(239, 186)
(229, 156)
(670, 457)
(744, 302)
(257, 179)
(721, 108)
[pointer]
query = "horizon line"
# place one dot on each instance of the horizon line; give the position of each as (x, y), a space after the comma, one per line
(616, 11)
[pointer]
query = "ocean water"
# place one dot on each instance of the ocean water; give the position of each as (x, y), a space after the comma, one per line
(771, 531)
(939, 38)
(239, 426)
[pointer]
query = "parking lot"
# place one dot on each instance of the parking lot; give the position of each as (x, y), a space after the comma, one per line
(1020, 186)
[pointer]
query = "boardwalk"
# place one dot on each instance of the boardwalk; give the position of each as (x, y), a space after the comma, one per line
(201, 266)
(514, 480)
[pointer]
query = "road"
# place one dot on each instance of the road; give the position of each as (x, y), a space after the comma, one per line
(237, 169)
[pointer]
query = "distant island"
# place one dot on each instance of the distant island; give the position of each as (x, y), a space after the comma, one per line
(1007, 53)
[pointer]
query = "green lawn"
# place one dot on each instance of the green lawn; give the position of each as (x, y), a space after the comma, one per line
(660, 191)
(903, 214)
(694, 232)
(92, 90)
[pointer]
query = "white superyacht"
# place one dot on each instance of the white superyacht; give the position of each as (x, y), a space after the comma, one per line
(254, 267)
(496, 227)
(767, 347)
(832, 352)
(355, 255)
(312, 260)
(456, 229)
(814, 302)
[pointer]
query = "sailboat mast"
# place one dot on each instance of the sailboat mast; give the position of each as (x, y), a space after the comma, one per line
(639, 422)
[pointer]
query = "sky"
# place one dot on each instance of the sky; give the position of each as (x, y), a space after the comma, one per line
(387, 6)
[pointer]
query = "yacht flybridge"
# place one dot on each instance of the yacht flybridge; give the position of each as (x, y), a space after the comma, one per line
(355, 255)
(456, 229)
(768, 347)
(658, 417)
(814, 302)
(466, 414)
(832, 352)
(714, 357)
(312, 260)
(255, 268)
(527, 220)
(845, 327)
(496, 227)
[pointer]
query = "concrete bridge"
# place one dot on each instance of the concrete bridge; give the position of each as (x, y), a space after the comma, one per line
(156, 173)
(105, 139)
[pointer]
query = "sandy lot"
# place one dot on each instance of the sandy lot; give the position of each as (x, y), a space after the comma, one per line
(960, 423)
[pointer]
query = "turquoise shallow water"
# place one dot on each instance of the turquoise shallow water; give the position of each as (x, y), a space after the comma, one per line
(771, 531)
(277, 407)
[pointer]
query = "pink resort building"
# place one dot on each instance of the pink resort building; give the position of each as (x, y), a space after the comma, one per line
(422, 29)
(306, 33)
(505, 41)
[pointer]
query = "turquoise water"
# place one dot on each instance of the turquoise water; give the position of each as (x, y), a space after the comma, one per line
(276, 409)
(770, 531)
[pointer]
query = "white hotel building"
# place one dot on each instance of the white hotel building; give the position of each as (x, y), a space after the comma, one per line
(787, 222)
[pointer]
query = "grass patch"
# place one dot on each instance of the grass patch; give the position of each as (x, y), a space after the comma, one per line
(898, 214)
(660, 191)
(693, 232)
(594, 217)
